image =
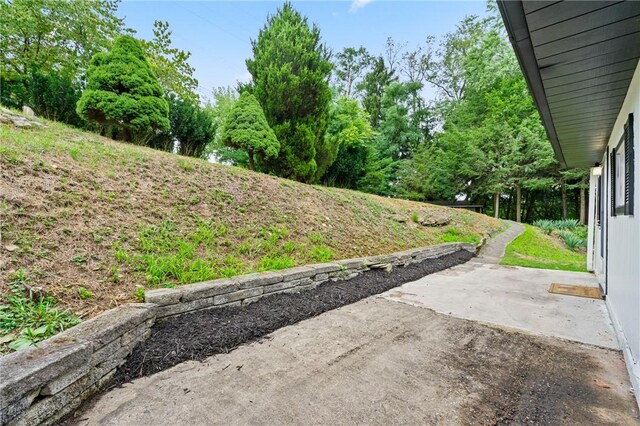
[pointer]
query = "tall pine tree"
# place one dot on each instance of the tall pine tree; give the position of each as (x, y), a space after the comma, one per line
(291, 70)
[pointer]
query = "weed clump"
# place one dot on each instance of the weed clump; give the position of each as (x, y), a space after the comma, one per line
(28, 316)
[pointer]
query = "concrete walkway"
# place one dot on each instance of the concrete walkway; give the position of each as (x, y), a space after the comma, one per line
(493, 250)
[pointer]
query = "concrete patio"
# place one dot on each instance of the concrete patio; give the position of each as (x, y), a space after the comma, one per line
(513, 297)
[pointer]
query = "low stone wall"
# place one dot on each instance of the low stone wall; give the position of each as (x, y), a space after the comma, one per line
(41, 385)
(242, 290)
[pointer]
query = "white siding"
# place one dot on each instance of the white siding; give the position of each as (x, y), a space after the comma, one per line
(623, 258)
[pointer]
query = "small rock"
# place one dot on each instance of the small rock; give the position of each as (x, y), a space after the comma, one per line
(11, 247)
(398, 218)
(21, 122)
(434, 219)
(28, 111)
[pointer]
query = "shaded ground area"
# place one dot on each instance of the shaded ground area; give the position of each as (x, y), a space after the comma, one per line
(201, 334)
(382, 362)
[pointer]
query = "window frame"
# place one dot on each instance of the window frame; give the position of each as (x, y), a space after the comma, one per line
(625, 183)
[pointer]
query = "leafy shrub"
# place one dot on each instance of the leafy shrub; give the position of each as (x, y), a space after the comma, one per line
(572, 241)
(320, 254)
(454, 235)
(85, 294)
(273, 263)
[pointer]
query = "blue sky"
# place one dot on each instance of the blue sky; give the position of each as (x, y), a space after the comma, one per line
(218, 33)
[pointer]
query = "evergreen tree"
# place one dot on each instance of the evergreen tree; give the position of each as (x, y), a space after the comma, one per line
(246, 128)
(349, 127)
(123, 93)
(291, 69)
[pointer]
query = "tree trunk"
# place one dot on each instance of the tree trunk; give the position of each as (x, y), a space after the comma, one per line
(583, 213)
(530, 202)
(496, 205)
(564, 200)
(518, 202)
(252, 165)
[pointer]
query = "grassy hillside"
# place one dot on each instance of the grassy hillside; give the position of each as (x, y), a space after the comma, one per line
(92, 222)
(535, 249)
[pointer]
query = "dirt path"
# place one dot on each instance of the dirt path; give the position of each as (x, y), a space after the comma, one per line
(382, 362)
(493, 250)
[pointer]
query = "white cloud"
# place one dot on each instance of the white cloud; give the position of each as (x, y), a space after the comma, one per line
(358, 4)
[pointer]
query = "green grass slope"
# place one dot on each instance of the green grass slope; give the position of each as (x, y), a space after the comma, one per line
(91, 222)
(535, 249)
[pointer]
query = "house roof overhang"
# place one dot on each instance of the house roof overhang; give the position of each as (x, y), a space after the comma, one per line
(578, 58)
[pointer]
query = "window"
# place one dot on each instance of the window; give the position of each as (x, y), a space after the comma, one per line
(622, 174)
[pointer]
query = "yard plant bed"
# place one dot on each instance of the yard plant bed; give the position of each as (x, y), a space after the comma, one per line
(201, 334)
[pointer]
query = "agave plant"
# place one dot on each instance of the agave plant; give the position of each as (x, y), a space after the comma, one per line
(566, 224)
(546, 225)
(572, 241)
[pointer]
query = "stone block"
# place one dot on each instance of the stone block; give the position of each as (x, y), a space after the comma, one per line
(16, 408)
(207, 289)
(113, 323)
(321, 277)
(30, 369)
(323, 268)
(281, 286)
(181, 308)
(356, 263)
(237, 295)
(163, 296)
(56, 385)
(468, 247)
(298, 273)
(105, 352)
(259, 279)
(51, 409)
(139, 334)
(344, 275)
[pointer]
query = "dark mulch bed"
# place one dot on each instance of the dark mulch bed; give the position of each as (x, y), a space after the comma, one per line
(198, 335)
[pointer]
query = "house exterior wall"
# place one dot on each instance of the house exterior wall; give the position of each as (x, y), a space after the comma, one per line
(615, 258)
